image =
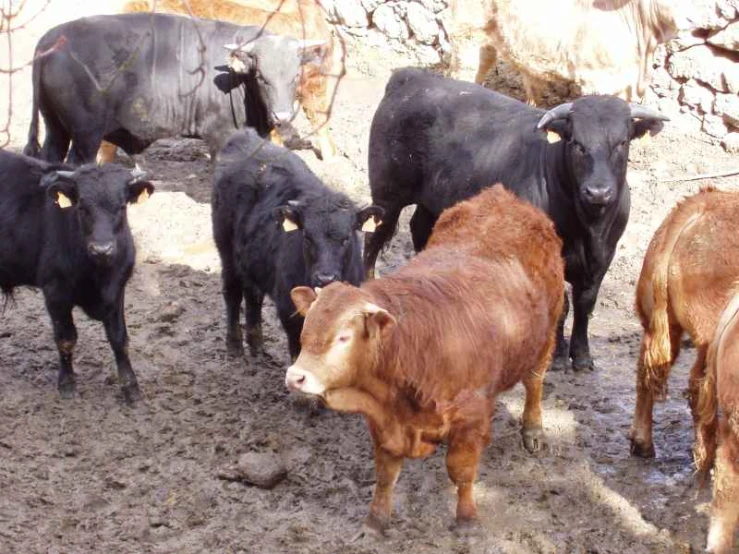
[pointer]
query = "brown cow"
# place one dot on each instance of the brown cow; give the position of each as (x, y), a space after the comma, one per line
(423, 353)
(574, 46)
(721, 390)
(688, 273)
(301, 19)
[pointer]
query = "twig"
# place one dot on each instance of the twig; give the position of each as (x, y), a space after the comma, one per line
(728, 173)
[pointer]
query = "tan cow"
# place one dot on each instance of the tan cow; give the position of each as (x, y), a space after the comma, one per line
(301, 19)
(575, 46)
(423, 353)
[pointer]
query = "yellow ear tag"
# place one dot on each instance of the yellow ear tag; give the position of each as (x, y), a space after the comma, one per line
(553, 137)
(317, 290)
(63, 200)
(645, 138)
(289, 225)
(143, 196)
(371, 225)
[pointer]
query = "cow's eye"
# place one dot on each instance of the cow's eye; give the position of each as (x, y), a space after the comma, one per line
(579, 148)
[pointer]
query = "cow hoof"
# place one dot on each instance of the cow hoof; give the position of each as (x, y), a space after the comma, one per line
(235, 350)
(467, 527)
(560, 363)
(66, 389)
(533, 440)
(641, 450)
(583, 364)
(376, 525)
(131, 393)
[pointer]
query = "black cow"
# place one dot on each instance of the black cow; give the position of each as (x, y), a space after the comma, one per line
(66, 233)
(435, 141)
(277, 226)
(134, 78)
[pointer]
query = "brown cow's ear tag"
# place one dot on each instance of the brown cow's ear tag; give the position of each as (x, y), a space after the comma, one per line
(553, 137)
(371, 225)
(63, 200)
(288, 225)
(143, 196)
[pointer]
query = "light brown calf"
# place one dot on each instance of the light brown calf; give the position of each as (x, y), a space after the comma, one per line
(423, 353)
(300, 19)
(688, 272)
(720, 390)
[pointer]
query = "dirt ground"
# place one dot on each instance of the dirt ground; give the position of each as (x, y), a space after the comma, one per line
(94, 475)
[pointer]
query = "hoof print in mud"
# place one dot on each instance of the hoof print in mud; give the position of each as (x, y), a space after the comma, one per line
(261, 469)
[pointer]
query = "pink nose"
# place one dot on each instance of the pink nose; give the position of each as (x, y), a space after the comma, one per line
(295, 381)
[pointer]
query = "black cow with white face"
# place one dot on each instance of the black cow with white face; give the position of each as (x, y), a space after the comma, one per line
(277, 226)
(134, 78)
(66, 232)
(435, 141)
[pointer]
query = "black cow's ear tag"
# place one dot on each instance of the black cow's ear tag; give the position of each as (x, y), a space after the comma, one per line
(62, 200)
(371, 225)
(288, 225)
(143, 196)
(553, 137)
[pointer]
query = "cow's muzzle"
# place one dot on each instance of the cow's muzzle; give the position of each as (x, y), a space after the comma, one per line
(598, 196)
(323, 279)
(298, 379)
(101, 251)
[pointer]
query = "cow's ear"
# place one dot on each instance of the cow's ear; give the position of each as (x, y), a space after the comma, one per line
(303, 297)
(640, 127)
(240, 58)
(379, 323)
(61, 188)
(139, 192)
(288, 218)
(312, 52)
(369, 219)
(557, 130)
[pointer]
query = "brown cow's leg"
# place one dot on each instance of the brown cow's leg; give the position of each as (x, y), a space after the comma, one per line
(463, 456)
(106, 153)
(387, 469)
(649, 382)
(275, 137)
(533, 436)
(725, 506)
(705, 435)
(487, 61)
(317, 106)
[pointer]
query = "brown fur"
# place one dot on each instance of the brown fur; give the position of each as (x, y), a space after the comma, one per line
(300, 19)
(688, 272)
(470, 316)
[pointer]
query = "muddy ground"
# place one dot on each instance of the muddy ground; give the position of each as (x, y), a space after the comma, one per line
(94, 475)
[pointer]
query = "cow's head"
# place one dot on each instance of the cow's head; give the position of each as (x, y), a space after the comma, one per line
(329, 225)
(97, 197)
(595, 132)
(341, 339)
(275, 61)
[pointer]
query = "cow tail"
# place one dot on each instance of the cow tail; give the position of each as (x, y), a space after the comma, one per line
(658, 353)
(32, 147)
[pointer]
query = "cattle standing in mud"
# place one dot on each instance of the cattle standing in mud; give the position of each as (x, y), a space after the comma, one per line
(689, 271)
(720, 391)
(571, 46)
(134, 78)
(423, 353)
(67, 233)
(436, 141)
(313, 242)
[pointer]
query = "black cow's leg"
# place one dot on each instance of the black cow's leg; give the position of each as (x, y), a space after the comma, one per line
(56, 141)
(115, 329)
(293, 325)
(583, 299)
(85, 146)
(254, 299)
(422, 223)
(373, 242)
(65, 336)
(233, 293)
(561, 359)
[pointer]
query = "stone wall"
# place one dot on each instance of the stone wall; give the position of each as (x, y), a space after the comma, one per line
(698, 74)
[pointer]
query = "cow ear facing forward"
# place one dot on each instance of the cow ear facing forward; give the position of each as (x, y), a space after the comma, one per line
(240, 58)
(288, 218)
(303, 298)
(378, 322)
(139, 192)
(640, 127)
(369, 219)
(61, 188)
(312, 51)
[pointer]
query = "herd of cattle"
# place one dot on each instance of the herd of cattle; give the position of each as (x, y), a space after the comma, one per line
(422, 352)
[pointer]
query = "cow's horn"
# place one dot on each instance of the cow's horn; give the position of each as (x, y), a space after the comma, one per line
(137, 173)
(642, 112)
(65, 174)
(305, 44)
(560, 112)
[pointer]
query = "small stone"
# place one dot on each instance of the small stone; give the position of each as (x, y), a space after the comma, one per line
(262, 469)
(170, 312)
(696, 95)
(727, 38)
(422, 23)
(714, 126)
(727, 106)
(351, 13)
(731, 143)
(387, 20)
(370, 5)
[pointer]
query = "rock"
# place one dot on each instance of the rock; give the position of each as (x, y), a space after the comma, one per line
(389, 22)
(422, 23)
(714, 126)
(731, 143)
(684, 41)
(434, 6)
(696, 95)
(170, 312)
(708, 64)
(262, 469)
(713, 14)
(427, 55)
(728, 38)
(663, 84)
(727, 105)
(351, 13)
(370, 5)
